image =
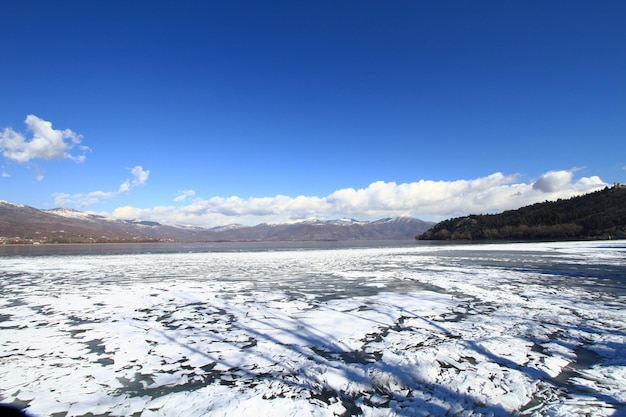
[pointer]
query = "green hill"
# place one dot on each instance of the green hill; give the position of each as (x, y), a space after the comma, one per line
(597, 215)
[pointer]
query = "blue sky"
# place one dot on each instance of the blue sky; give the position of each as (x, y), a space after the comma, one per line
(210, 113)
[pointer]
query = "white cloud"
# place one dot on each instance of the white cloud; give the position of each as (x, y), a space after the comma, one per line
(5, 175)
(140, 176)
(553, 181)
(45, 143)
(83, 200)
(429, 200)
(184, 195)
(124, 187)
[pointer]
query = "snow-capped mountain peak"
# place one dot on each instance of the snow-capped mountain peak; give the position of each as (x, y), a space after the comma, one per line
(70, 213)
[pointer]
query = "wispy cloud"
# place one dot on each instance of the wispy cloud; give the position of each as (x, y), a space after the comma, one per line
(184, 195)
(45, 143)
(429, 200)
(140, 177)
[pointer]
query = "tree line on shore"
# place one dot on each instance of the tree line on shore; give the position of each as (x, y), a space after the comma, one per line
(597, 215)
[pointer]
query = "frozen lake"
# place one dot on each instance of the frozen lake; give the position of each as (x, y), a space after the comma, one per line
(324, 330)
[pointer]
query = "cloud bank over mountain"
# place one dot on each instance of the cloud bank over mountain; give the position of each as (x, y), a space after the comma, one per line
(425, 199)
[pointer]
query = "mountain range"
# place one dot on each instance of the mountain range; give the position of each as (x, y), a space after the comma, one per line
(27, 225)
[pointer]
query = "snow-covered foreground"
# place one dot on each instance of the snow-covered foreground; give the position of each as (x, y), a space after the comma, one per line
(534, 329)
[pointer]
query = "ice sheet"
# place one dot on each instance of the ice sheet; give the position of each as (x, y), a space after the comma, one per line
(533, 329)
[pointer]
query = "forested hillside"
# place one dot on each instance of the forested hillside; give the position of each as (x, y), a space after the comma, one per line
(601, 214)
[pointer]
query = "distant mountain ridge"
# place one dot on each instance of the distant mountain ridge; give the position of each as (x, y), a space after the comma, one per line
(24, 224)
(597, 215)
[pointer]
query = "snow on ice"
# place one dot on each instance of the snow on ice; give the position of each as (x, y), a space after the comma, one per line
(532, 329)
